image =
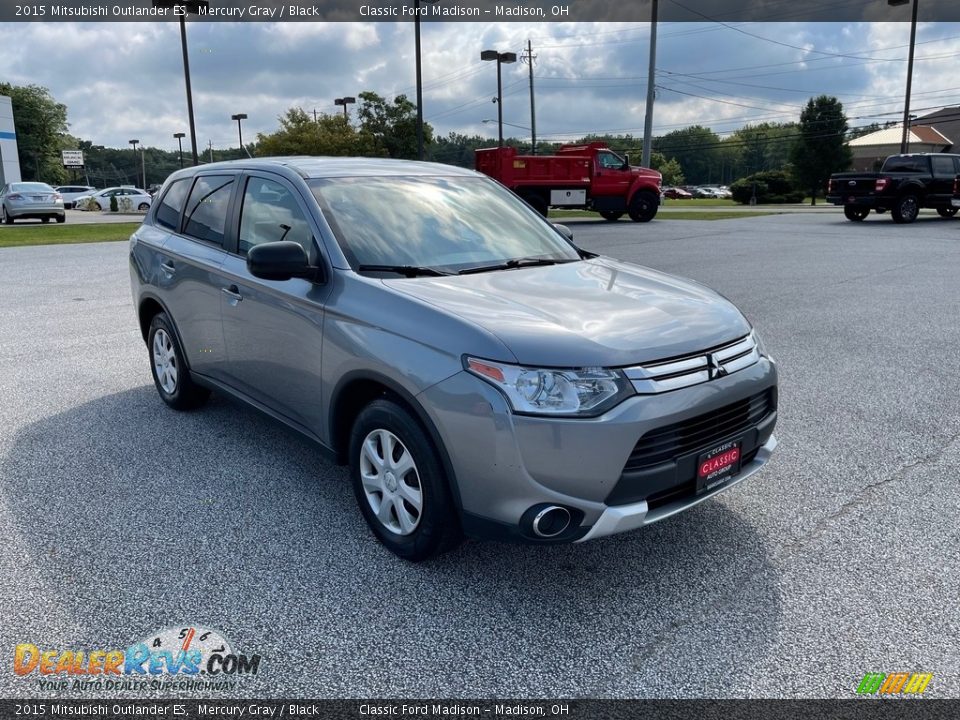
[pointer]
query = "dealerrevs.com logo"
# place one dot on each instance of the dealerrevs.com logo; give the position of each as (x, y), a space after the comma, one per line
(183, 658)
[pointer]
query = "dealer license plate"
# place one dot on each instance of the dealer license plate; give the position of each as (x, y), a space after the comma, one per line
(717, 466)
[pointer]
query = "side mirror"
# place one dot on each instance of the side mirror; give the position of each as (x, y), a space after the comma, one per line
(280, 260)
(564, 230)
(626, 161)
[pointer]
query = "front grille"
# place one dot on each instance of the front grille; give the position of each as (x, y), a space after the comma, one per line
(680, 372)
(699, 433)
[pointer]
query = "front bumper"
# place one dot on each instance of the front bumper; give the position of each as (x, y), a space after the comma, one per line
(504, 464)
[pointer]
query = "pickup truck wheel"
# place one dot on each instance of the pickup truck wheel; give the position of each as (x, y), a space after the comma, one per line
(855, 213)
(610, 216)
(947, 212)
(906, 209)
(644, 206)
(400, 484)
(538, 203)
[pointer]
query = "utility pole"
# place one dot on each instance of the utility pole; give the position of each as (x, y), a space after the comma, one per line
(651, 87)
(529, 58)
(315, 115)
(210, 145)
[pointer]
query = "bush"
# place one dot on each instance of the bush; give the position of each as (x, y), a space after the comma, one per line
(113, 203)
(772, 186)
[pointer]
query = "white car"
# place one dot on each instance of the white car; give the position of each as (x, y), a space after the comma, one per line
(70, 193)
(139, 199)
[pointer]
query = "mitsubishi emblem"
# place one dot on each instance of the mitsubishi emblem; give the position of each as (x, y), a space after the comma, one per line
(715, 368)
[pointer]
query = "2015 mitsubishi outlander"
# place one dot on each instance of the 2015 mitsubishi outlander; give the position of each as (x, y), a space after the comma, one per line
(480, 373)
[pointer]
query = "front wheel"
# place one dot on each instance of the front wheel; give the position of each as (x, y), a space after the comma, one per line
(400, 484)
(644, 206)
(855, 213)
(610, 216)
(906, 209)
(170, 372)
(143, 206)
(947, 212)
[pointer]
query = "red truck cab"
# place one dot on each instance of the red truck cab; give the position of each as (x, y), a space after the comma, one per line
(587, 177)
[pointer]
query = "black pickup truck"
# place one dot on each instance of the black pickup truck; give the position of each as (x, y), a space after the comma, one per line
(904, 184)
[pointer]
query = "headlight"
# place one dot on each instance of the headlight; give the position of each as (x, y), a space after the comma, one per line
(536, 391)
(761, 346)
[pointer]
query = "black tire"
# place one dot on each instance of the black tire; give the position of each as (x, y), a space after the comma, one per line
(436, 528)
(143, 206)
(61, 218)
(905, 209)
(856, 213)
(880, 210)
(947, 212)
(643, 206)
(610, 215)
(97, 207)
(45, 220)
(7, 220)
(183, 394)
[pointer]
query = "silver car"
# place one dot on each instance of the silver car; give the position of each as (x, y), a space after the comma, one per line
(480, 374)
(33, 200)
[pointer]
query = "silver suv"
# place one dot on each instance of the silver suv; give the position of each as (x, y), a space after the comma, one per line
(479, 373)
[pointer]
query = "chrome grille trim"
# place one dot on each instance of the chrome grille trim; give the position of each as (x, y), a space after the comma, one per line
(660, 377)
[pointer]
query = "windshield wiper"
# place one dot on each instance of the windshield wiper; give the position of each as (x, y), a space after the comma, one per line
(515, 263)
(405, 270)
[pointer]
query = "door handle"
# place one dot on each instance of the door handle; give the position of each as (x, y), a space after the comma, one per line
(168, 267)
(233, 292)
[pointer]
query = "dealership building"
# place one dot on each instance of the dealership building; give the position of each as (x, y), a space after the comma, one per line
(9, 161)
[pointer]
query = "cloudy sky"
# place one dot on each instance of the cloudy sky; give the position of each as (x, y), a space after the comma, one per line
(125, 80)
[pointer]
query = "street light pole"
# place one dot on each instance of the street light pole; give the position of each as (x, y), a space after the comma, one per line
(180, 137)
(501, 58)
(416, 34)
(239, 117)
(186, 7)
(905, 139)
(134, 143)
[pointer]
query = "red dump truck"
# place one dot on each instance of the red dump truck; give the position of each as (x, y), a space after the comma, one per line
(586, 177)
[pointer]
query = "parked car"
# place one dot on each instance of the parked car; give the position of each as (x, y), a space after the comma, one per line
(100, 200)
(480, 373)
(71, 192)
(675, 193)
(23, 200)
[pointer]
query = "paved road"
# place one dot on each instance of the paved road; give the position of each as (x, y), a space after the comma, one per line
(78, 217)
(118, 516)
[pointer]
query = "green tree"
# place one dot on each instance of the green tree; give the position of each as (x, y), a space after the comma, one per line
(670, 169)
(390, 127)
(300, 134)
(821, 148)
(40, 121)
(697, 149)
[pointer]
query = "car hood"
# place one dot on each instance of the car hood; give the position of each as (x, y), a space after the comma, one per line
(598, 312)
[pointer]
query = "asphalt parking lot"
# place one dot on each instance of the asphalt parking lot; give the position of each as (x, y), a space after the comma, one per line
(120, 517)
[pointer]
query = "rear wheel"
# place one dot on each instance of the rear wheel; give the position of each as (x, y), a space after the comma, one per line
(97, 207)
(538, 203)
(906, 209)
(610, 215)
(45, 220)
(947, 212)
(644, 206)
(7, 220)
(169, 370)
(400, 484)
(143, 206)
(61, 218)
(855, 212)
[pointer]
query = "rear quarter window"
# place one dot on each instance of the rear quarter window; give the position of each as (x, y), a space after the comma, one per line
(170, 207)
(905, 164)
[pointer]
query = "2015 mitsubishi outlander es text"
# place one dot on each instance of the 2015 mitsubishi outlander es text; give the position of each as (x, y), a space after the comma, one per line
(481, 374)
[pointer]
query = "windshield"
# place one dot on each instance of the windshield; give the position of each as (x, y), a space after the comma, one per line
(445, 223)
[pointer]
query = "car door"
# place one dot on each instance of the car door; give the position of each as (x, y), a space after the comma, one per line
(944, 170)
(274, 329)
(610, 179)
(190, 274)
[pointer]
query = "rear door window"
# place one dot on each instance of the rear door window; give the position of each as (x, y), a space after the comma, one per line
(206, 216)
(943, 167)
